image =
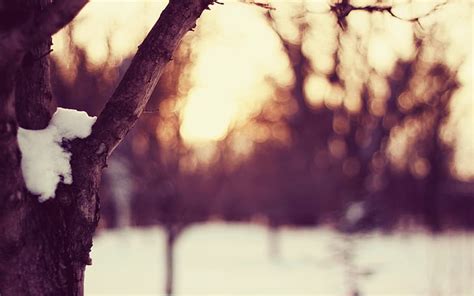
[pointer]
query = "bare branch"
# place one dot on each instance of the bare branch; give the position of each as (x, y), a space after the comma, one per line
(132, 94)
(16, 41)
(343, 8)
(263, 5)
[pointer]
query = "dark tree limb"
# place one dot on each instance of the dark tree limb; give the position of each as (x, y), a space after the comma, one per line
(33, 95)
(15, 41)
(129, 99)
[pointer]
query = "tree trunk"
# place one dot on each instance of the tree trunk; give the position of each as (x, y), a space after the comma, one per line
(40, 255)
(274, 242)
(171, 236)
(46, 261)
(44, 247)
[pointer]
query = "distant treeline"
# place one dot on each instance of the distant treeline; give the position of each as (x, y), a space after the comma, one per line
(365, 153)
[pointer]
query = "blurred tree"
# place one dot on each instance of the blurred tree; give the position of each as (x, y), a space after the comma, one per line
(169, 190)
(336, 156)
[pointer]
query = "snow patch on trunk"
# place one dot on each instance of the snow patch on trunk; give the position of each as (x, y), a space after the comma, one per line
(44, 158)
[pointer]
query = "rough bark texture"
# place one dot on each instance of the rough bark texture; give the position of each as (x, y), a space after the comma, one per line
(44, 247)
(25, 28)
(33, 88)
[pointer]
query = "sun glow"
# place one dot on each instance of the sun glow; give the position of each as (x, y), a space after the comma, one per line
(236, 52)
(229, 77)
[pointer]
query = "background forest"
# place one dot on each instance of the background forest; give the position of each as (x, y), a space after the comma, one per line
(287, 117)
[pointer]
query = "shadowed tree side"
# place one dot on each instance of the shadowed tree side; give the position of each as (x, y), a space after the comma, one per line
(44, 247)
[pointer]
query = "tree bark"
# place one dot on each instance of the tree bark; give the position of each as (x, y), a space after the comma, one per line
(44, 247)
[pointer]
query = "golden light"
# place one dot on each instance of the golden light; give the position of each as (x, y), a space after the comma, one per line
(236, 51)
(229, 77)
(206, 116)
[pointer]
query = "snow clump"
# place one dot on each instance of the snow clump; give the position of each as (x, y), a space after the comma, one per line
(44, 160)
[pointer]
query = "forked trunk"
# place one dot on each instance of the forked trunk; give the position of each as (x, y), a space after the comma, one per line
(44, 247)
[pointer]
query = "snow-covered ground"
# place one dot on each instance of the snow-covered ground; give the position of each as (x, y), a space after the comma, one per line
(233, 259)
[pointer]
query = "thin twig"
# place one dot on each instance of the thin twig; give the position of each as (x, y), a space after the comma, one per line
(44, 54)
(260, 4)
(151, 111)
(344, 8)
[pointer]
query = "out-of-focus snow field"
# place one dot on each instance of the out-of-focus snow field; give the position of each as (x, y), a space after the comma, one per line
(233, 259)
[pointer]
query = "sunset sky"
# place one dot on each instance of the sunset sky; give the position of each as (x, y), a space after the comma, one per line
(237, 51)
